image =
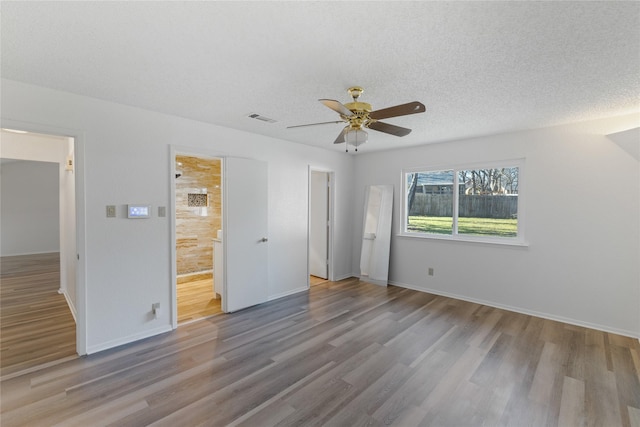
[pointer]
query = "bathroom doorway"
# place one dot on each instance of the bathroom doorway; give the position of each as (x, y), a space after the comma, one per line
(198, 224)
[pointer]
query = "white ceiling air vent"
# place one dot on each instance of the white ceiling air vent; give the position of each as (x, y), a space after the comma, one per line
(261, 118)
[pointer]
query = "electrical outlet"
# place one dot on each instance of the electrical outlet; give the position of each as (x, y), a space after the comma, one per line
(111, 211)
(430, 271)
(155, 308)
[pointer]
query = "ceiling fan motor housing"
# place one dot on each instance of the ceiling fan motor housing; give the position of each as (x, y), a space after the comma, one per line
(358, 107)
(360, 115)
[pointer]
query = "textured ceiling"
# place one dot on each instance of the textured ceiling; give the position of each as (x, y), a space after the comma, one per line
(479, 67)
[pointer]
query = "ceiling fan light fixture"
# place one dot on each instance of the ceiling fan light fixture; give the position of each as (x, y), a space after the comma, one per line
(356, 137)
(359, 116)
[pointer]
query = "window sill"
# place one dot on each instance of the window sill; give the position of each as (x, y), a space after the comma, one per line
(505, 241)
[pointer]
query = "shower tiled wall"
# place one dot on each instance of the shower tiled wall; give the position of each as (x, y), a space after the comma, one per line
(198, 217)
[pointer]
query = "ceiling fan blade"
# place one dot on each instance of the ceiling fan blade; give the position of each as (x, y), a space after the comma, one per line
(390, 129)
(399, 110)
(314, 124)
(340, 139)
(337, 107)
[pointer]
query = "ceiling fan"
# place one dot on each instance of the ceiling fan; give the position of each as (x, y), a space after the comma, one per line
(358, 116)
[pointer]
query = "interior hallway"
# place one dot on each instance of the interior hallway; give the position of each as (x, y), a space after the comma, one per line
(36, 324)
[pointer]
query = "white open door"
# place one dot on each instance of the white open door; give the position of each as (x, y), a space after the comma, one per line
(245, 233)
(319, 224)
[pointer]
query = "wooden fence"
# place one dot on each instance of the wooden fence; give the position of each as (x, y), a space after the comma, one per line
(472, 206)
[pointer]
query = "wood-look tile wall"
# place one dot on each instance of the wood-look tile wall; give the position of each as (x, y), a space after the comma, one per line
(196, 226)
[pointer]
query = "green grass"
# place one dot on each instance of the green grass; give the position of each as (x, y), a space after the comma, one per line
(475, 226)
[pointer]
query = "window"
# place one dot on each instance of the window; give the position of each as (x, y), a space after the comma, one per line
(480, 203)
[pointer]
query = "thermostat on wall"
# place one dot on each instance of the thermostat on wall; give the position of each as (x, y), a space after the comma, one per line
(138, 211)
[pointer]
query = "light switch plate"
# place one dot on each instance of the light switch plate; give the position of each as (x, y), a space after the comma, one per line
(162, 211)
(111, 211)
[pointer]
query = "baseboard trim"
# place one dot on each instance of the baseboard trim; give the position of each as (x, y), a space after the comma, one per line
(373, 281)
(286, 294)
(520, 310)
(72, 307)
(29, 253)
(345, 276)
(129, 339)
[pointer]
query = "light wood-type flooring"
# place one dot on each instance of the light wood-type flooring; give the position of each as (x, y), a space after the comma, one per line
(196, 299)
(315, 280)
(36, 325)
(345, 354)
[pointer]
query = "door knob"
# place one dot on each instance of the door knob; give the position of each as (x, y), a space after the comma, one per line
(264, 239)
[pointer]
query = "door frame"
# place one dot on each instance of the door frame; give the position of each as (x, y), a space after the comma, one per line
(331, 214)
(203, 153)
(80, 223)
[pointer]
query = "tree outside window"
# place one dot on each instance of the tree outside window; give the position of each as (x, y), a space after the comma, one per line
(480, 202)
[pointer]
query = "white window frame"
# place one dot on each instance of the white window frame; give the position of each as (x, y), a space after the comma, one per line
(518, 240)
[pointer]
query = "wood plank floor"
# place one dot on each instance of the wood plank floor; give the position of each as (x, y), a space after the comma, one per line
(345, 354)
(315, 280)
(196, 298)
(36, 325)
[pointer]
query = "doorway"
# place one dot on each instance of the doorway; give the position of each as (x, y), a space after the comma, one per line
(198, 224)
(38, 249)
(320, 208)
(243, 235)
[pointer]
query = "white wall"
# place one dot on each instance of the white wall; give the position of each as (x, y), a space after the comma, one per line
(578, 266)
(29, 213)
(582, 210)
(126, 160)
